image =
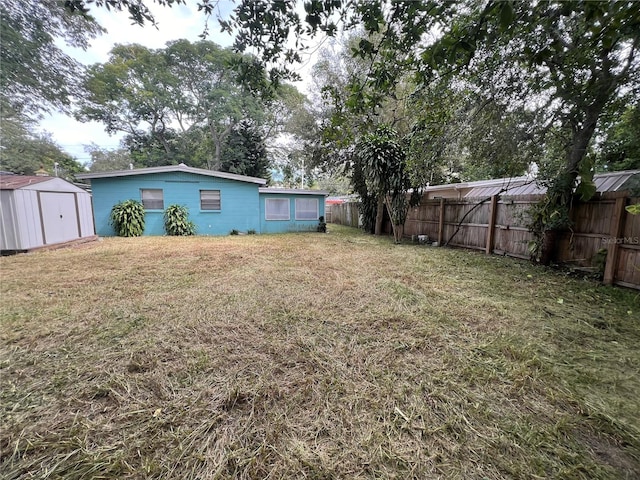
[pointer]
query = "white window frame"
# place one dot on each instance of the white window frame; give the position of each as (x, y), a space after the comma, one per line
(304, 213)
(150, 203)
(208, 201)
(278, 216)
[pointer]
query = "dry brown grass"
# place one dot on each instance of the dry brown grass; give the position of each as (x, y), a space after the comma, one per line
(311, 356)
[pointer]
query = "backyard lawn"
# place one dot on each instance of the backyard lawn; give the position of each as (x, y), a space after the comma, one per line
(311, 356)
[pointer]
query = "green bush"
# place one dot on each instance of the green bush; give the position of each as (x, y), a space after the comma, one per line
(251, 232)
(127, 218)
(176, 221)
(234, 232)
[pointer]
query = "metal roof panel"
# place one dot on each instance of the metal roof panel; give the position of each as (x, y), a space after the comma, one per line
(15, 182)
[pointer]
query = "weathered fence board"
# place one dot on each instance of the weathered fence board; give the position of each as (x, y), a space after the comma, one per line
(498, 225)
(343, 214)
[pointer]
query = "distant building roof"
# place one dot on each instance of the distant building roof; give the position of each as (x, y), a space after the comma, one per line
(617, 181)
(605, 182)
(172, 168)
(14, 182)
(504, 186)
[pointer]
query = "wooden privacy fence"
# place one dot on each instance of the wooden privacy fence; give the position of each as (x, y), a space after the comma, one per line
(343, 214)
(603, 231)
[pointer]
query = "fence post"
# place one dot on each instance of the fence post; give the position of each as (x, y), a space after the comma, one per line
(492, 224)
(441, 223)
(617, 229)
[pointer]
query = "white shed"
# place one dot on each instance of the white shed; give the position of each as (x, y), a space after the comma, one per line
(41, 211)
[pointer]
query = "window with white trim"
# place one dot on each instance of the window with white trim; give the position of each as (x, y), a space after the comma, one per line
(210, 200)
(276, 209)
(306, 209)
(152, 198)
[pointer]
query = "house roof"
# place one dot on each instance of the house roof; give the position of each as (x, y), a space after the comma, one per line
(605, 182)
(293, 191)
(14, 182)
(504, 186)
(617, 181)
(172, 168)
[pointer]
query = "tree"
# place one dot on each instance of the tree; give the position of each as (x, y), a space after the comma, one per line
(104, 160)
(138, 12)
(577, 58)
(620, 147)
(246, 152)
(382, 163)
(177, 104)
(572, 58)
(207, 91)
(25, 151)
(36, 76)
(330, 129)
(499, 139)
(131, 94)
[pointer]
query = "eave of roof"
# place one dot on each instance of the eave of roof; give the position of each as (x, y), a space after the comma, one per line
(170, 169)
(292, 191)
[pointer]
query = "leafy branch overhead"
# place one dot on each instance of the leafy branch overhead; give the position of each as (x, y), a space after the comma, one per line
(565, 61)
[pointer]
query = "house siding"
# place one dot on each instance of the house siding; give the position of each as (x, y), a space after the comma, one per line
(240, 205)
(291, 225)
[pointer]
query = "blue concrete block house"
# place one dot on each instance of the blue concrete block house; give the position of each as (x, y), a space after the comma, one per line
(218, 202)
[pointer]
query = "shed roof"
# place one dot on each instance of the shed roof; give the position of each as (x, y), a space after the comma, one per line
(172, 168)
(292, 191)
(605, 182)
(14, 182)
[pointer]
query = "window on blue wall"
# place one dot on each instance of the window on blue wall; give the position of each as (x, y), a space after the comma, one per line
(152, 198)
(276, 209)
(306, 208)
(210, 200)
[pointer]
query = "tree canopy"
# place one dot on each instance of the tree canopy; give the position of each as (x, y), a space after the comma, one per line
(25, 151)
(184, 103)
(35, 74)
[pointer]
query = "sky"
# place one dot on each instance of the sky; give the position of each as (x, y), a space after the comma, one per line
(180, 21)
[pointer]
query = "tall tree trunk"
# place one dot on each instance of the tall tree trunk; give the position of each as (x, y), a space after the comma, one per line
(581, 139)
(214, 164)
(562, 188)
(216, 157)
(217, 138)
(379, 215)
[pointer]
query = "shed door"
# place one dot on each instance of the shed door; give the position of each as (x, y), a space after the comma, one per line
(59, 217)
